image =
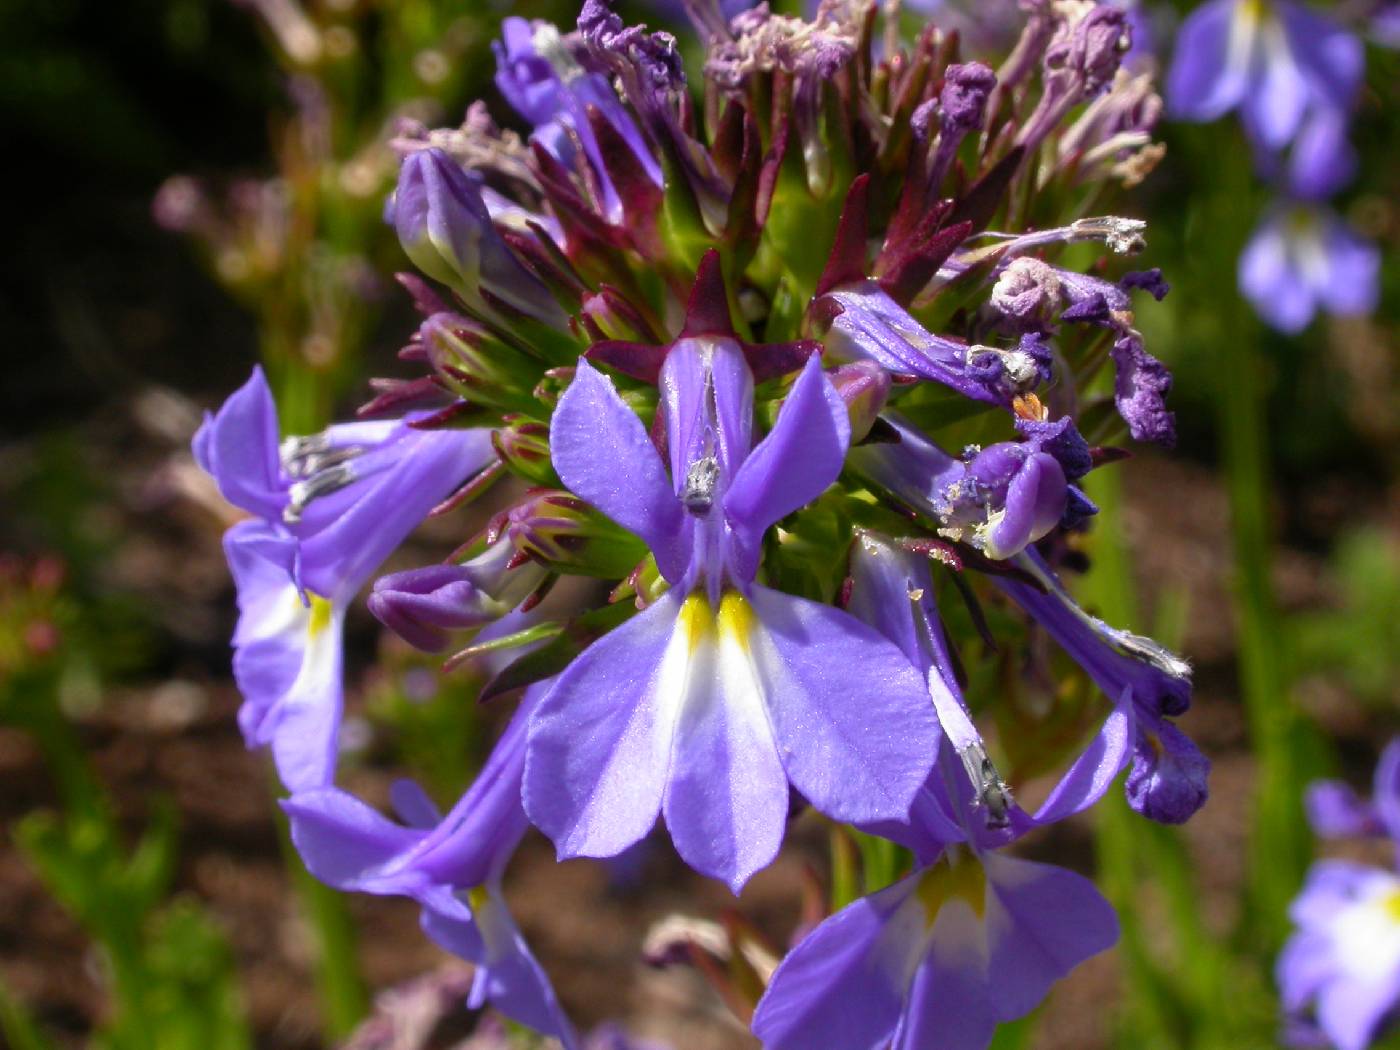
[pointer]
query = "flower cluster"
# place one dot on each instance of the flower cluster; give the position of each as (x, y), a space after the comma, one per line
(1339, 975)
(800, 366)
(1294, 75)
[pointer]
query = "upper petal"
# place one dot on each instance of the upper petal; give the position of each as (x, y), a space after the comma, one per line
(1277, 94)
(792, 466)
(852, 717)
(604, 456)
(1331, 58)
(237, 446)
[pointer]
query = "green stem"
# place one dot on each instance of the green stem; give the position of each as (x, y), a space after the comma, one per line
(1279, 844)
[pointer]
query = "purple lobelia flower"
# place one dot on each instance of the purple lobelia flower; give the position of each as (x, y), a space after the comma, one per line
(1340, 971)
(1147, 684)
(1303, 258)
(329, 509)
(996, 499)
(452, 866)
(1274, 60)
(973, 938)
(708, 703)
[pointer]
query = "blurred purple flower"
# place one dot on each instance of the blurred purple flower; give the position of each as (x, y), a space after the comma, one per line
(1274, 60)
(1302, 258)
(1339, 974)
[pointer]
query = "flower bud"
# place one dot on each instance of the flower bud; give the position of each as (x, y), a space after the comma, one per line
(422, 605)
(559, 529)
(476, 365)
(445, 228)
(523, 446)
(864, 386)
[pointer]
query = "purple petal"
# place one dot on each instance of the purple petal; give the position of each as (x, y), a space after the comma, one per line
(852, 717)
(508, 975)
(1332, 886)
(604, 456)
(1386, 798)
(1207, 76)
(1277, 94)
(950, 1006)
(237, 447)
(792, 466)
(843, 985)
(600, 741)
(1335, 811)
(1322, 160)
(1270, 280)
(1035, 502)
(1093, 772)
(1331, 58)
(1140, 387)
(727, 797)
(305, 736)
(1303, 967)
(348, 845)
(1353, 270)
(1042, 922)
(1168, 780)
(708, 392)
(425, 468)
(1351, 1010)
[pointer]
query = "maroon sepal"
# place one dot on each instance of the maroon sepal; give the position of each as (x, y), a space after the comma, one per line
(443, 417)
(730, 142)
(846, 263)
(707, 310)
(401, 395)
(772, 166)
(908, 275)
(470, 489)
(425, 299)
(938, 550)
(641, 361)
(641, 198)
(615, 307)
(585, 231)
(742, 227)
(770, 360)
(1102, 455)
(545, 259)
(980, 202)
(706, 315)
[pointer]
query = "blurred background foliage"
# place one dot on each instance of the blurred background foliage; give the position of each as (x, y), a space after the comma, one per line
(200, 185)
